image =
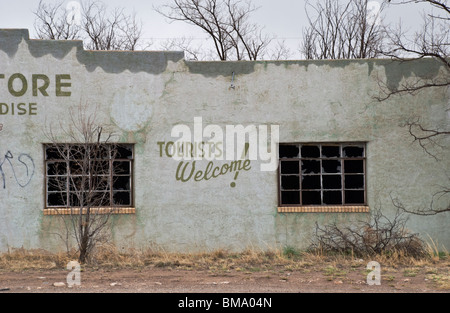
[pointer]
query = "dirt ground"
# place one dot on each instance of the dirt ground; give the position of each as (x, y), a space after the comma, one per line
(320, 278)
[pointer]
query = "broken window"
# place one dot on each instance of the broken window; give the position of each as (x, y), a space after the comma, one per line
(94, 175)
(322, 174)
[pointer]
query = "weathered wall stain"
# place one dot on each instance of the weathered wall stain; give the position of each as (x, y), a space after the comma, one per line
(10, 40)
(395, 71)
(110, 61)
(156, 62)
(119, 61)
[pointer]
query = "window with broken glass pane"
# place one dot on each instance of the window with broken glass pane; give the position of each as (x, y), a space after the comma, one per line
(95, 175)
(322, 174)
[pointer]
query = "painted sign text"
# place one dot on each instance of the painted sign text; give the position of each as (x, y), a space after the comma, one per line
(34, 85)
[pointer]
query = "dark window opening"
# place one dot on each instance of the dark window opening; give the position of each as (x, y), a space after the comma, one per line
(79, 175)
(288, 151)
(332, 197)
(354, 181)
(331, 166)
(310, 151)
(331, 151)
(290, 182)
(290, 167)
(124, 152)
(52, 153)
(353, 151)
(354, 196)
(122, 167)
(331, 182)
(311, 182)
(56, 198)
(316, 174)
(122, 183)
(310, 167)
(311, 197)
(122, 198)
(354, 166)
(290, 197)
(54, 168)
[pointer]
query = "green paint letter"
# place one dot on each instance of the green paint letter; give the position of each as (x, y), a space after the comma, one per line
(60, 84)
(11, 89)
(43, 88)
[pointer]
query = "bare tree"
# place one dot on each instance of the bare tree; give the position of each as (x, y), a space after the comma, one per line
(193, 52)
(113, 31)
(83, 169)
(430, 139)
(52, 23)
(98, 27)
(280, 51)
(247, 38)
(226, 22)
(432, 208)
(430, 41)
(339, 30)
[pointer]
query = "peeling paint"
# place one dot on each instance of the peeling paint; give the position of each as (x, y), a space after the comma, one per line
(153, 62)
(398, 71)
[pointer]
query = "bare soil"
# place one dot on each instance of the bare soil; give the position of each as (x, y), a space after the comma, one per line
(318, 278)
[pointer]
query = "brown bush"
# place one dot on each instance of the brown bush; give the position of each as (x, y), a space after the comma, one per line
(380, 235)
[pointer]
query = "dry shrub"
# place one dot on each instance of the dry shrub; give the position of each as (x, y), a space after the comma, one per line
(380, 236)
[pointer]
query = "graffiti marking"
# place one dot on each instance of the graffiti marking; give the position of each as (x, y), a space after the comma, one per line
(26, 168)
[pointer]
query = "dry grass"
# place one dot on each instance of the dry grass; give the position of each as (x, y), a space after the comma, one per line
(442, 280)
(219, 260)
(396, 268)
(20, 259)
(108, 257)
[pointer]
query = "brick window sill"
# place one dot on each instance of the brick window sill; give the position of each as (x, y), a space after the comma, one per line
(324, 209)
(76, 211)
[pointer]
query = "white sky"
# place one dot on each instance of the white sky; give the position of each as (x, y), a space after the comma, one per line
(284, 19)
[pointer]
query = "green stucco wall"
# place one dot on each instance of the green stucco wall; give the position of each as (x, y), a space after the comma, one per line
(141, 96)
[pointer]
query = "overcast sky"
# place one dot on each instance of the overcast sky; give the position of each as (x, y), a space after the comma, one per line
(284, 19)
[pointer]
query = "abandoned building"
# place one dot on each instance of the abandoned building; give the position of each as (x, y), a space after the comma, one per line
(214, 155)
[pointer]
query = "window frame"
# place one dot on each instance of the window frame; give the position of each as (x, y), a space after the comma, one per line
(323, 207)
(69, 208)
